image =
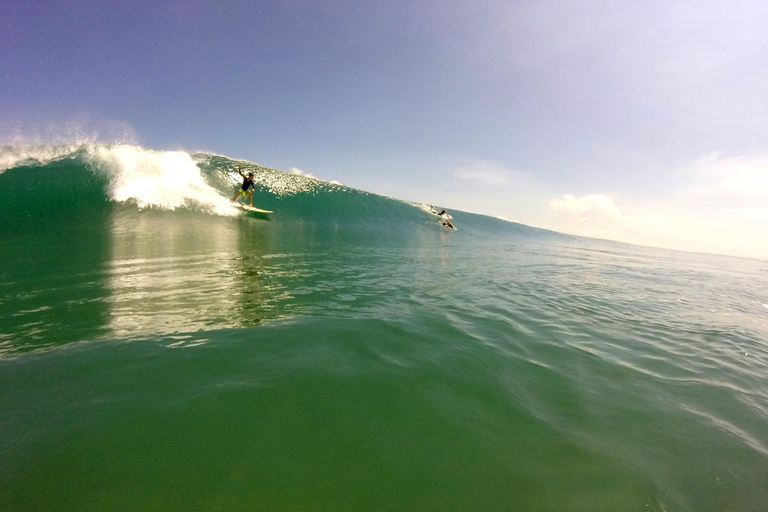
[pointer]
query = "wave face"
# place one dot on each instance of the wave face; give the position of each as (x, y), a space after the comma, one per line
(69, 179)
(162, 349)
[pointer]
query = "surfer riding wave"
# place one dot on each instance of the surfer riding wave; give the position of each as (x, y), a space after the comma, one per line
(444, 220)
(246, 187)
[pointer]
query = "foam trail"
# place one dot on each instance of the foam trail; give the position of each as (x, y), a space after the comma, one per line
(157, 179)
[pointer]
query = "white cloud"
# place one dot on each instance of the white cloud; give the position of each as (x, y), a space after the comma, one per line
(299, 172)
(601, 208)
(589, 206)
(731, 182)
(717, 205)
(723, 209)
(598, 215)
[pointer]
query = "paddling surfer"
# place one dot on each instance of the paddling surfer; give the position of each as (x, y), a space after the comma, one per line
(245, 188)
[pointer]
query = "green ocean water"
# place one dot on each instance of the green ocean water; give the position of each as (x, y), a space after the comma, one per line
(162, 350)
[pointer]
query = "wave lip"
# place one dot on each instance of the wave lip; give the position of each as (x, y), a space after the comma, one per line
(37, 155)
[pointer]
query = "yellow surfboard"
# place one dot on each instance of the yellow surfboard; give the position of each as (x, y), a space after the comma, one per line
(252, 209)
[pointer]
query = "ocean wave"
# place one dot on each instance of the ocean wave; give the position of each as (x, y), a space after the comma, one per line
(86, 176)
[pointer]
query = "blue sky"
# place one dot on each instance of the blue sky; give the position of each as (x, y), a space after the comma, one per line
(645, 122)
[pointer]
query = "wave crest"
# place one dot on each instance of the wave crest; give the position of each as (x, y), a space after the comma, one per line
(156, 179)
(28, 155)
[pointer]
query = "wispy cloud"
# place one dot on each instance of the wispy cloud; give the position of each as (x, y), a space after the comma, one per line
(739, 182)
(602, 208)
(486, 173)
(481, 186)
(591, 205)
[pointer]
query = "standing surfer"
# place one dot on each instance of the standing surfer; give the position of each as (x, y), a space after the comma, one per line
(444, 220)
(245, 188)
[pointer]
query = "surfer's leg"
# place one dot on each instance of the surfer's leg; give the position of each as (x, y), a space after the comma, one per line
(250, 196)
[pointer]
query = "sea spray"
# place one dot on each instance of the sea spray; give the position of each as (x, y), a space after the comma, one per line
(156, 179)
(34, 155)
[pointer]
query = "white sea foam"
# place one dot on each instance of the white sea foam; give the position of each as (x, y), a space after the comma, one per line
(156, 179)
(18, 155)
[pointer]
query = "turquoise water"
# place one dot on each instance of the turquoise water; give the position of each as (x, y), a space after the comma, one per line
(162, 350)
